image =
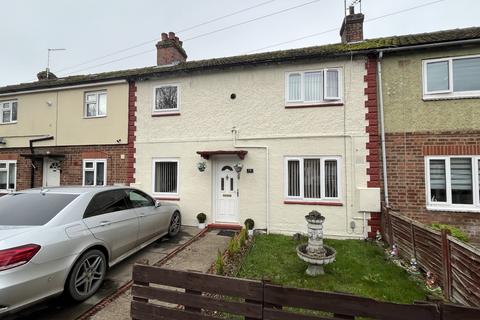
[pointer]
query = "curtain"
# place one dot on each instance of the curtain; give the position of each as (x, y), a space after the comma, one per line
(294, 87)
(294, 178)
(311, 179)
(331, 186)
(313, 82)
(332, 84)
(466, 74)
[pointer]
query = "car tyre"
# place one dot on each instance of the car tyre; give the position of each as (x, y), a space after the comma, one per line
(87, 275)
(175, 224)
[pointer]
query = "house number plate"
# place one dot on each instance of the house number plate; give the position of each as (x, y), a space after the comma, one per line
(227, 195)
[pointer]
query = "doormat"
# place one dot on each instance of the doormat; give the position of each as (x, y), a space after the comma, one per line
(227, 233)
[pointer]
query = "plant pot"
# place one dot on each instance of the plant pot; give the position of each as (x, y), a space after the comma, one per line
(201, 225)
(250, 232)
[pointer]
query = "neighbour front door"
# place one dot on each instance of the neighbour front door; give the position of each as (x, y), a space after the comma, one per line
(51, 172)
(227, 193)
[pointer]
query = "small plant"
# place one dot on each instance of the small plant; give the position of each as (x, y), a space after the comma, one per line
(219, 264)
(233, 246)
(242, 238)
(201, 217)
(456, 232)
(249, 224)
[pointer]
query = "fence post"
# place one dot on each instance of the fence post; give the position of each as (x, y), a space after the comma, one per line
(447, 265)
(412, 235)
(195, 292)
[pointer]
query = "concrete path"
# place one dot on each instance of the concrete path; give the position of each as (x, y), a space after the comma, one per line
(60, 308)
(199, 256)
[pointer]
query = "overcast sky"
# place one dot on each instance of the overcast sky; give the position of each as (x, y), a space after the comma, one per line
(89, 29)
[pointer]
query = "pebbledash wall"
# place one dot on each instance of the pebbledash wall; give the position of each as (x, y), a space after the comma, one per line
(416, 128)
(205, 121)
(60, 113)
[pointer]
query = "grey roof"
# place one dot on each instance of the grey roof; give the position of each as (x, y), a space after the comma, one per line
(274, 57)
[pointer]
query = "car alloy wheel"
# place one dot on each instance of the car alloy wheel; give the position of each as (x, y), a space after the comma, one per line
(87, 275)
(175, 224)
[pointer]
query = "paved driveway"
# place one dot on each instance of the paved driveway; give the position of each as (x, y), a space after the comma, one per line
(61, 308)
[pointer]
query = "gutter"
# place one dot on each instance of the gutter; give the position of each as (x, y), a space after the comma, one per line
(429, 45)
(32, 151)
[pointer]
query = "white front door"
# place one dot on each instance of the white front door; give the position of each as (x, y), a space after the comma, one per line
(51, 172)
(227, 193)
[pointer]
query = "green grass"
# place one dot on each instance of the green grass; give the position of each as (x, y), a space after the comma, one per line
(360, 268)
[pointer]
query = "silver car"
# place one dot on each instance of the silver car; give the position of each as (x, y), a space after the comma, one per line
(65, 238)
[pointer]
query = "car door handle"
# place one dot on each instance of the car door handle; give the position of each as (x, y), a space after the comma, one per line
(104, 223)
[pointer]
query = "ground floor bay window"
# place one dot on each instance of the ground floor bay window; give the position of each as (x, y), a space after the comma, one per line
(8, 173)
(453, 183)
(312, 179)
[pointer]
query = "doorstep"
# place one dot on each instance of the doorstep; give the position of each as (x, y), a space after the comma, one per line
(228, 226)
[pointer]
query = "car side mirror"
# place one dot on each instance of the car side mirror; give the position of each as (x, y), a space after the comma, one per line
(157, 203)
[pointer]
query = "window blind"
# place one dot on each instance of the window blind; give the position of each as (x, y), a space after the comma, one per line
(311, 178)
(461, 173)
(294, 178)
(437, 174)
(331, 190)
(166, 177)
(294, 87)
(313, 86)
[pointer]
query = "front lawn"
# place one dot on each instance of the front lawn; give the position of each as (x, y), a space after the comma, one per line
(360, 268)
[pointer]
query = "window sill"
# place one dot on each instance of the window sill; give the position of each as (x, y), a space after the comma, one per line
(316, 203)
(95, 117)
(453, 209)
(6, 123)
(167, 198)
(166, 114)
(314, 105)
(437, 97)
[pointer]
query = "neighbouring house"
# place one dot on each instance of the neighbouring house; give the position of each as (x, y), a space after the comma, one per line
(71, 131)
(431, 94)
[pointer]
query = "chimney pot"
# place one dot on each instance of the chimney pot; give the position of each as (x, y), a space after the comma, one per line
(351, 10)
(171, 35)
(164, 36)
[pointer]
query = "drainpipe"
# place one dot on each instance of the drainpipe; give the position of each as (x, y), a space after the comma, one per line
(32, 151)
(267, 184)
(382, 127)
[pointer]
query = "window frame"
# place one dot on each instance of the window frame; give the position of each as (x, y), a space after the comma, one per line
(448, 205)
(10, 107)
(7, 170)
(446, 94)
(165, 194)
(166, 111)
(325, 100)
(322, 198)
(97, 93)
(94, 169)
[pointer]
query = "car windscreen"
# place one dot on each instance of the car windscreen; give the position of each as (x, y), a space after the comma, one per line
(32, 209)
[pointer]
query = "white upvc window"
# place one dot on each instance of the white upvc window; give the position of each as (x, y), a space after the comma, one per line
(452, 183)
(95, 172)
(321, 86)
(95, 104)
(312, 178)
(165, 177)
(453, 77)
(8, 175)
(166, 98)
(9, 111)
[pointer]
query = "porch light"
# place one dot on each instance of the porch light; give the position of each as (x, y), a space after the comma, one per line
(202, 166)
(238, 168)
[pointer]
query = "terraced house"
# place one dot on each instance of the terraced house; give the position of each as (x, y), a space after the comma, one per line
(63, 132)
(431, 95)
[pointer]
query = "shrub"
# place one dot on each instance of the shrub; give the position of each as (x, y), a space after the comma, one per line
(201, 217)
(233, 246)
(456, 232)
(249, 224)
(242, 238)
(219, 264)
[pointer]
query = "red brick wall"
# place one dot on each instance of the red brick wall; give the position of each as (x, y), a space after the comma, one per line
(132, 128)
(72, 170)
(373, 145)
(406, 174)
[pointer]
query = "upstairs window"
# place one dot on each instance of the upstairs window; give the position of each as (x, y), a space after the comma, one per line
(95, 172)
(313, 87)
(9, 111)
(166, 98)
(451, 77)
(8, 175)
(312, 178)
(453, 183)
(95, 104)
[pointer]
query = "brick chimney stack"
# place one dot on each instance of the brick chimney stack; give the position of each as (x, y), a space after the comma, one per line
(352, 26)
(170, 50)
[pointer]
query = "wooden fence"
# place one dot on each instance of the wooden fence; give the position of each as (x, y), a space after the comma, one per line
(456, 264)
(160, 293)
